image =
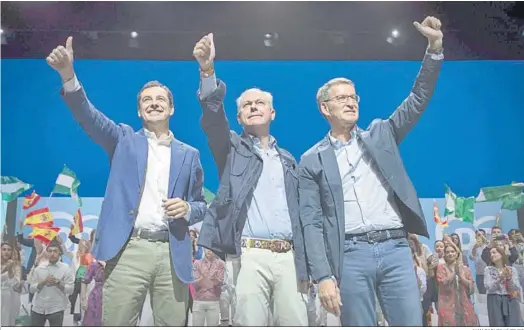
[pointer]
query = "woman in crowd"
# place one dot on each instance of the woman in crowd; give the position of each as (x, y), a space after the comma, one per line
(515, 236)
(455, 288)
(10, 278)
(504, 291)
(198, 251)
(92, 306)
(455, 238)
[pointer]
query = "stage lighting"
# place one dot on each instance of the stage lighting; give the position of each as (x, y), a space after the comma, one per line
(394, 33)
(134, 34)
(270, 39)
(133, 41)
(3, 37)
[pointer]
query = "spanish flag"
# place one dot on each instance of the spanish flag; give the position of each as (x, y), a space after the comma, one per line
(46, 235)
(38, 216)
(31, 200)
(436, 216)
(78, 226)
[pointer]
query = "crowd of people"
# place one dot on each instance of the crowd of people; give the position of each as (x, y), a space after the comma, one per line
(283, 243)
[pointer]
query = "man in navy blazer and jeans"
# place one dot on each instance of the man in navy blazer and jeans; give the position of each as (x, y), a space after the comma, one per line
(153, 193)
(357, 199)
(255, 211)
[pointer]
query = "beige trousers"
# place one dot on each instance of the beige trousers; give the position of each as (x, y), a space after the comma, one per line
(267, 288)
(141, 266)
(206, 313)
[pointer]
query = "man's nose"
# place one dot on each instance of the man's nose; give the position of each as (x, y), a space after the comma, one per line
(154, 105)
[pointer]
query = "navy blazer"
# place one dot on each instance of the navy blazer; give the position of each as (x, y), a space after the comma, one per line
(128, 151)
(239, 168)
(320, 185)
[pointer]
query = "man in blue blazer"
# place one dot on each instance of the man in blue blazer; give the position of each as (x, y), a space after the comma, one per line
(357, 202)
(153, 193)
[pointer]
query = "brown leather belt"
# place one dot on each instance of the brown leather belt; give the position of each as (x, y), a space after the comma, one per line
(274, 245)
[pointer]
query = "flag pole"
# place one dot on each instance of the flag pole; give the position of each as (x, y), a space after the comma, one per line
(497, 219)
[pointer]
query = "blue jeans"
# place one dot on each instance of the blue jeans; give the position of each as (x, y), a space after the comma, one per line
(384, 269)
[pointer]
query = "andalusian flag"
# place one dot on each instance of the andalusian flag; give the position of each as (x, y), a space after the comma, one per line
(460, 208)
(78, 226)
(46, 235)
(12, 187)
(38, 216)
(67, 184)
(31, 200)
(510, 195)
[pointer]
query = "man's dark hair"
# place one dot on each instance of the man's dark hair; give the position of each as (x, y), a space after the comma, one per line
(156, 83)
(55, 244)
(496, 227)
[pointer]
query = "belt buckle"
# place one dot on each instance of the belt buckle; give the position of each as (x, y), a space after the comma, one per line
(372, 236)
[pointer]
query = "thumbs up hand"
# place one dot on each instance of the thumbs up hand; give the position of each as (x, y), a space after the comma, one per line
(61, 60)
(204, 52)
(430, 28)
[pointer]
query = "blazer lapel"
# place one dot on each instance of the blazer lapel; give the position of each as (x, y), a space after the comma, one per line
(178, 154)
(141, 156)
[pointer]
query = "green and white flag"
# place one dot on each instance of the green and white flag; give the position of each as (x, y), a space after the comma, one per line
(510, 195)
(12, 188)
(208, 196)
(67, 184)
(460, 208)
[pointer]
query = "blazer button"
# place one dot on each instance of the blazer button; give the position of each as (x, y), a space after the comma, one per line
(131, 211)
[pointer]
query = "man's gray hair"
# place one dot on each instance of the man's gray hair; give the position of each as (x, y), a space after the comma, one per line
(323, 92)
(267, 95)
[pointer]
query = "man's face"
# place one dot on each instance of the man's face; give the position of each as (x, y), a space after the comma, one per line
(53, 254)
(255, 110)
(154, 106)
(496, 232)
(342, 106)
(209, 254)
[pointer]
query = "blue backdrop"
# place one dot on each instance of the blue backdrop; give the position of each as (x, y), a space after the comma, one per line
(471, 135)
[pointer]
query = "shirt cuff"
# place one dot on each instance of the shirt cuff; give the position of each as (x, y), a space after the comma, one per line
(207, 86)
(188, 215)
(71, 85)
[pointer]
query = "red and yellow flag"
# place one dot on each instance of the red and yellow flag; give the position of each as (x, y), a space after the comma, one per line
(436, 216)
(46, 235)
(31, 200)
(38, 216)
(78, 225)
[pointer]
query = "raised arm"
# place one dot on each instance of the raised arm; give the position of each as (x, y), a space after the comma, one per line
(211, 95)
(100, 128)
(408, 112)
(29, 242)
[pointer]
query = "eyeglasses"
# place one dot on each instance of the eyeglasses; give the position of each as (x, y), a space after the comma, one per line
(344, 98)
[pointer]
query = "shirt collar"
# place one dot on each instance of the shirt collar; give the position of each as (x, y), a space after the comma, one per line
(162, 140)
(256, 142)
(337, 144)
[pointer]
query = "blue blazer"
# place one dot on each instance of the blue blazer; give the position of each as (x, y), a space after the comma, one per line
(128, 151)
(320, 186)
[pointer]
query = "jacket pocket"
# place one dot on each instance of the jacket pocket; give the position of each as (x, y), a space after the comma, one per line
(239, 164)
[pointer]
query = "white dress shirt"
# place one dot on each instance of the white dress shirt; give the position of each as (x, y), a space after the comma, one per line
(50, 299)
(368, 199)
(151, 214)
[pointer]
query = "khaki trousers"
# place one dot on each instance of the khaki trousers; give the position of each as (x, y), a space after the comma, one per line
(141, 266)
(268, 289)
